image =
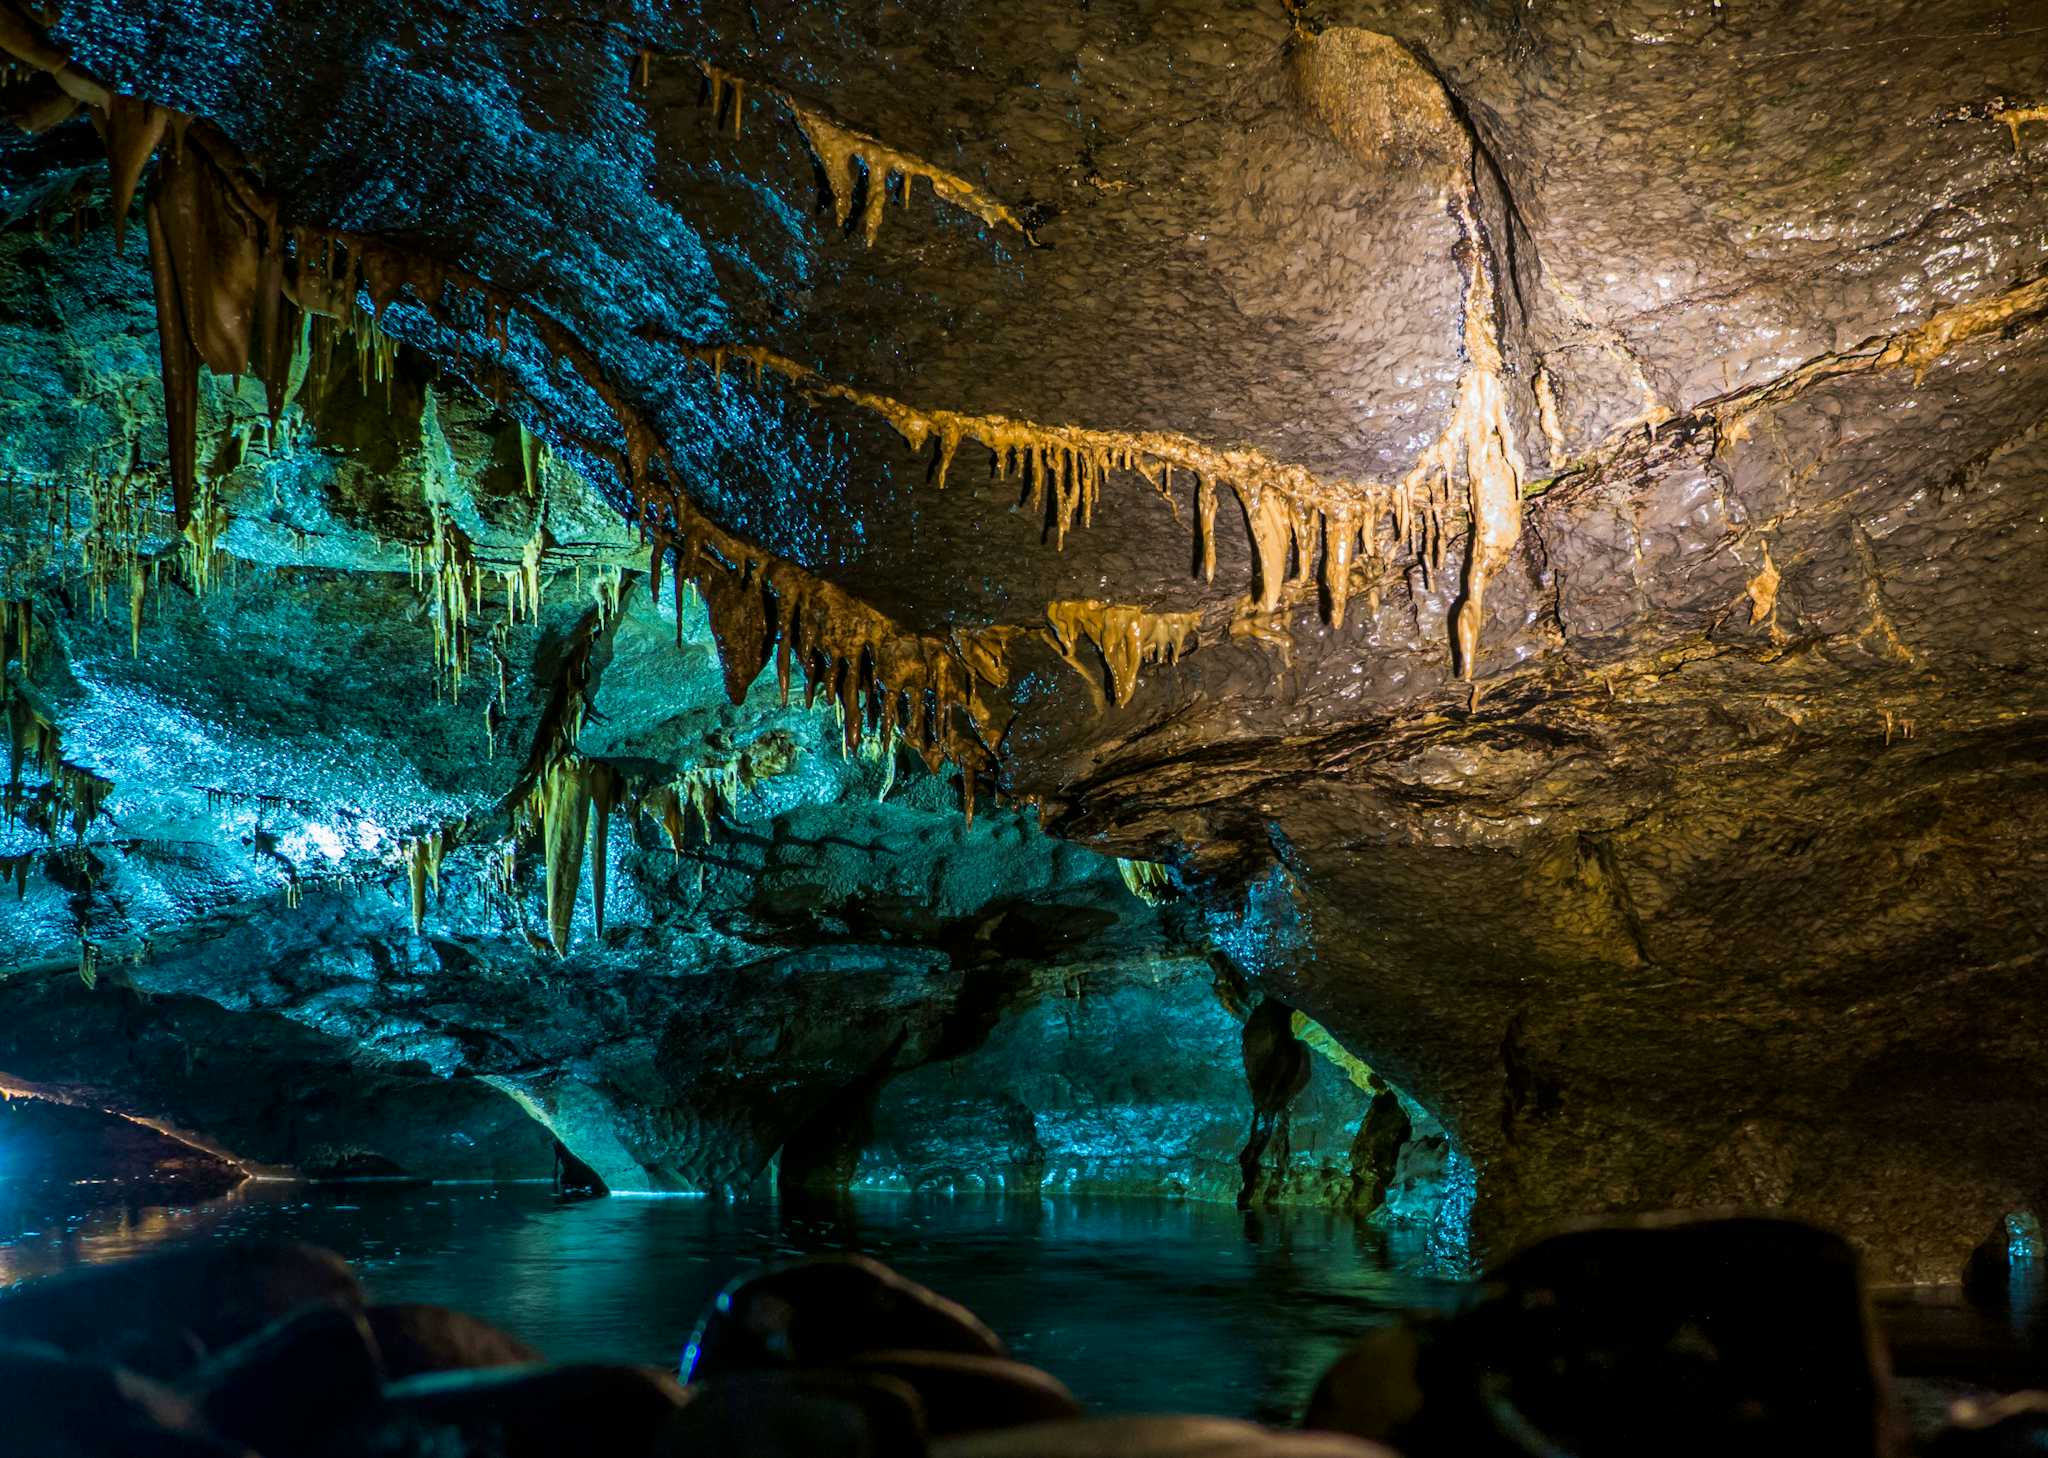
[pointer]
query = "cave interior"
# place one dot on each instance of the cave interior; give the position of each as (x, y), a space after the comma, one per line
(1415, 618)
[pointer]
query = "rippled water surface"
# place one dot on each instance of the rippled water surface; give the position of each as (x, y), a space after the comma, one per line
(1137, 1305)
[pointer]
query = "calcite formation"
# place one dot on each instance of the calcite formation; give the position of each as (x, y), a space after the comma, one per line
(854, 163)
(1126, 637)
(1672, 376)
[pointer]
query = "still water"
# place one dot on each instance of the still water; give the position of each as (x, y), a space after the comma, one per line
(1138, 1305)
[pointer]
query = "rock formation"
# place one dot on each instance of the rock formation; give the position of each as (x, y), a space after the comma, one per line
(1529, 515)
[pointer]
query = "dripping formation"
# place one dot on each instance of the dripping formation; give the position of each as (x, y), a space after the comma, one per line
(847, 155)
(1126, 637)
(1149, 881)
(238, 289)
(71, 795)
(227, 273)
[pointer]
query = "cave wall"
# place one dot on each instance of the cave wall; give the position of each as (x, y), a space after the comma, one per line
(825, 931)
(1653, 795)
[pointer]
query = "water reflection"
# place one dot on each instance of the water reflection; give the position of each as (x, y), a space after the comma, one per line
(1138, 1305)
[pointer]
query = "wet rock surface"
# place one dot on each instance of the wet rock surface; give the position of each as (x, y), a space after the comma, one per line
(1683, 1334)
(1720, 882)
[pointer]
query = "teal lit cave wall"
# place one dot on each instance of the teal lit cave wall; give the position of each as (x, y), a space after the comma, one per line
(279, 738)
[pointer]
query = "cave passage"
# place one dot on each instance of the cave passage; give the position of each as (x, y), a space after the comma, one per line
(998, 729)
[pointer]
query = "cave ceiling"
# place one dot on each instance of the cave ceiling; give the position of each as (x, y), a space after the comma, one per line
(1532, 510)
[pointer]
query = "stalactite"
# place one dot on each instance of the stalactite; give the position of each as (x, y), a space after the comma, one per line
(701, 793)
(1205, 508)
(1481, 439)
(1127, 637)
(1763, 589)
(1148, 880)
(208, 255)
(2016, 117)
(529, 460)
(845, 154)
(215, 249)
(723, 88)
(200, 539)
(72, 794)
(561, 808)
(131, 129)
(17, 633)
(422, 869)
(447, 573)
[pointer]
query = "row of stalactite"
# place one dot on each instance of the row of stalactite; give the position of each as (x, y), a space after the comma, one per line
(241, 291)
(71, 796)
(568, 813)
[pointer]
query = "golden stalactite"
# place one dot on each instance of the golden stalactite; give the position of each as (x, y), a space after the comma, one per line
(2016, 117)
(73, 795)
(847, 154)
(1127, 637)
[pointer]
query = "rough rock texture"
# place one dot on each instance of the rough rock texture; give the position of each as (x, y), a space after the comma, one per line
(1122, 1083)
(277, 744)
(1721, 880)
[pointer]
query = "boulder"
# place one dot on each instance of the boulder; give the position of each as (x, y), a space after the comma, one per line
(2010, 1427)
(970, 1394)
(798, 1414)
(1154, 1437)
(281, 1390)
(1681, 1337)
(162, 1313)
(521, 1412)
(63, 1407)
(819, 1312)
(416, 1338)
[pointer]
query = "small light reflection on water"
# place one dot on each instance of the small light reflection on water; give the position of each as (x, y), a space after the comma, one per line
(1138, 1305)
